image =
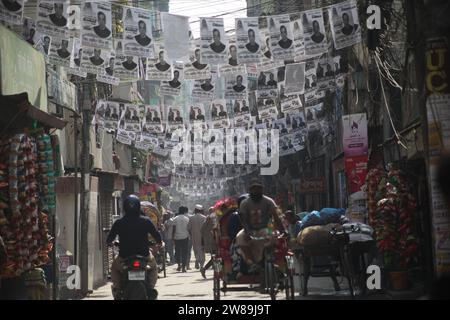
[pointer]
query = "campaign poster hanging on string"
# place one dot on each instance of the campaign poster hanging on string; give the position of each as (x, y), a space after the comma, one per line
(159, 68)
(248, 40)
(137, 32)
(296, 120)
(196, 69)
(267, 61)
(51, 17)
(60, 51)
(203, 89)
(126, 67)
(236, 86)
(295, 78)
(345, 26)
(219, 114)
(108, 76)
(110, 114)
(175, 118)
(288, 103)
(281, 126)
(267, 83)
(75, 59)
(197, 116)
(153, 122)
(299, 37)
(96, 25)
(173, 87)
(100, 113)
(132, 121)
(267, 108)
(12, 11)
(94, 60)
(213, 41)
(314, 31)
(281, 38)
(234, 66)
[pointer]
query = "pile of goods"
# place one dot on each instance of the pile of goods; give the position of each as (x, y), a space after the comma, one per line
(23, 226)
(374, 194)
(395, 221)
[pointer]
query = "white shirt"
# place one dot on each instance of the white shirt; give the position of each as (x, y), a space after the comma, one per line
(180, 223)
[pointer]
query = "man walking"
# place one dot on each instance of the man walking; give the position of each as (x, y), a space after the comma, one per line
(195, 227)
(181, 238)
(168, 235)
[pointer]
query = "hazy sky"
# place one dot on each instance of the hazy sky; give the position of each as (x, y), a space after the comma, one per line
(208, 8)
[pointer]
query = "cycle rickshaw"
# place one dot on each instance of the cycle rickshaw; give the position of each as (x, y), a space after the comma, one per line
(151, 211)
(278, 261)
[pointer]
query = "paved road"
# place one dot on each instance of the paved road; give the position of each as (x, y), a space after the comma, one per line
(191, 286)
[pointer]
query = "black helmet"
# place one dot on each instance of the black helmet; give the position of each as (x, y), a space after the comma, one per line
(241, 198)
(132, 205)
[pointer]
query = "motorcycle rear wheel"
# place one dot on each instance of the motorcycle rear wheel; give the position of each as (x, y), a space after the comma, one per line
(135, 290)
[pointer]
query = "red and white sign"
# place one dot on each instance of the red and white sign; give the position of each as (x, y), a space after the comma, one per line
(356, 170)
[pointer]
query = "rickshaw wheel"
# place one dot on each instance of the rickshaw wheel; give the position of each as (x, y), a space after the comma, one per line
(216, 288)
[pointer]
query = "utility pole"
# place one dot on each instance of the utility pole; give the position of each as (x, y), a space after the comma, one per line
(89, 88)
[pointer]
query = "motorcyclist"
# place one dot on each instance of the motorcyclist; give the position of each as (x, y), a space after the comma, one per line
(256, 213)
(133, 230)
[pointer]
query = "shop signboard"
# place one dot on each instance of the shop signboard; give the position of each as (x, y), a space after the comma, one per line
(313, 185)
(23, 69)
(356, 171)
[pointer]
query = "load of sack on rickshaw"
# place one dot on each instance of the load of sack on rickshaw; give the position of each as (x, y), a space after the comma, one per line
(315, 228)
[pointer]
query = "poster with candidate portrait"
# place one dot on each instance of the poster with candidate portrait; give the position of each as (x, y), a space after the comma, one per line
(61, 51)
(108, 76)
(296, 120)
(281, 37)
(159, 68)
(197, 116)
(295, 78)
(267, 62)
(11, 11)
(314, 30)
(314, 114)
(286, 145)
(94, 60)
(299, 37)
(110, 113)
(100, 112)
(173, 87)
(267, 82)
(175, 119)
(243, 120)
(281, 126)
(195, 68)
(325, 73)
(96, 25)
(51, 17)
(219, 114)
(137, 36)
(203, 89)
(126, 67)
(345, 26)
(236, 86)
(153, 121)
(213, 41)
(288, 103)
(267, 108)
(131, 120)
(248, 40)
(75, 59)
(298, 138)
(233, 67)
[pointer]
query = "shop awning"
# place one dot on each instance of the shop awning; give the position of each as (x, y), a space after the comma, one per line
(17, 112)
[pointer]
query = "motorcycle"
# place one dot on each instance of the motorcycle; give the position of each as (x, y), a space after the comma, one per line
(134, 280)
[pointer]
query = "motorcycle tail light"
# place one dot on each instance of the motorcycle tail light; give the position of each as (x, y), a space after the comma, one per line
(136, 264)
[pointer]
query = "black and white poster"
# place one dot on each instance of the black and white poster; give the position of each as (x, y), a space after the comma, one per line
(325, 73)
(126, 67)
(173, 87)
(296, 120)
(267, 108)
(267, 83)
(267, 61)
(288, 103)
(281, 126)
(75, 59)
(11, 11)
(197, 116)
(213, 41)
(94, 60)
(299, 37)
(131, 120)
(248, 40)
(108, 76)
(281, 38)
(314, 114)
(286, 145)
(295, 78)
(100, 113)
(61, 51)
(159, 68)
(176, 35)
(52, 17)
(111, 114)
(96, 27)
(314, 30)
(196, 69)
(219, 114)
(203, 89)
(345, 26)
(236, 86)
(233, 67)
(175, 119)
(153, 123)
(138, 33)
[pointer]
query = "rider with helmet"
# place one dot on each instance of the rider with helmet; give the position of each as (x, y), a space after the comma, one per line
(133, 230)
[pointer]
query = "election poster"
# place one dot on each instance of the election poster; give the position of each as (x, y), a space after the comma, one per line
(213, 41)
(173, 87)
(108, 76)
(94, 60)
(236, 86)
(175, 118)
(159, 68)
(153, 122)
(203, 89)
(11, 11)
(248, 40)
(96, 25)
(281, 37)
(314, 31)
(288, 103)
(299, 37)
(51, 17)
(295, 78)
(267, 61)
(267, 108)
(126, 67)
(196, 69)
(131, 119)
(267, 83)
(296, 120)
(61, 51)
(75, 60)
(110, 114)
(219, 114)
(345, 26)
(234, 66)
(197, 116)
(137, 32)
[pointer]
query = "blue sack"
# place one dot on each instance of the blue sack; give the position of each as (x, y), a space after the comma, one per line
(331, 215)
